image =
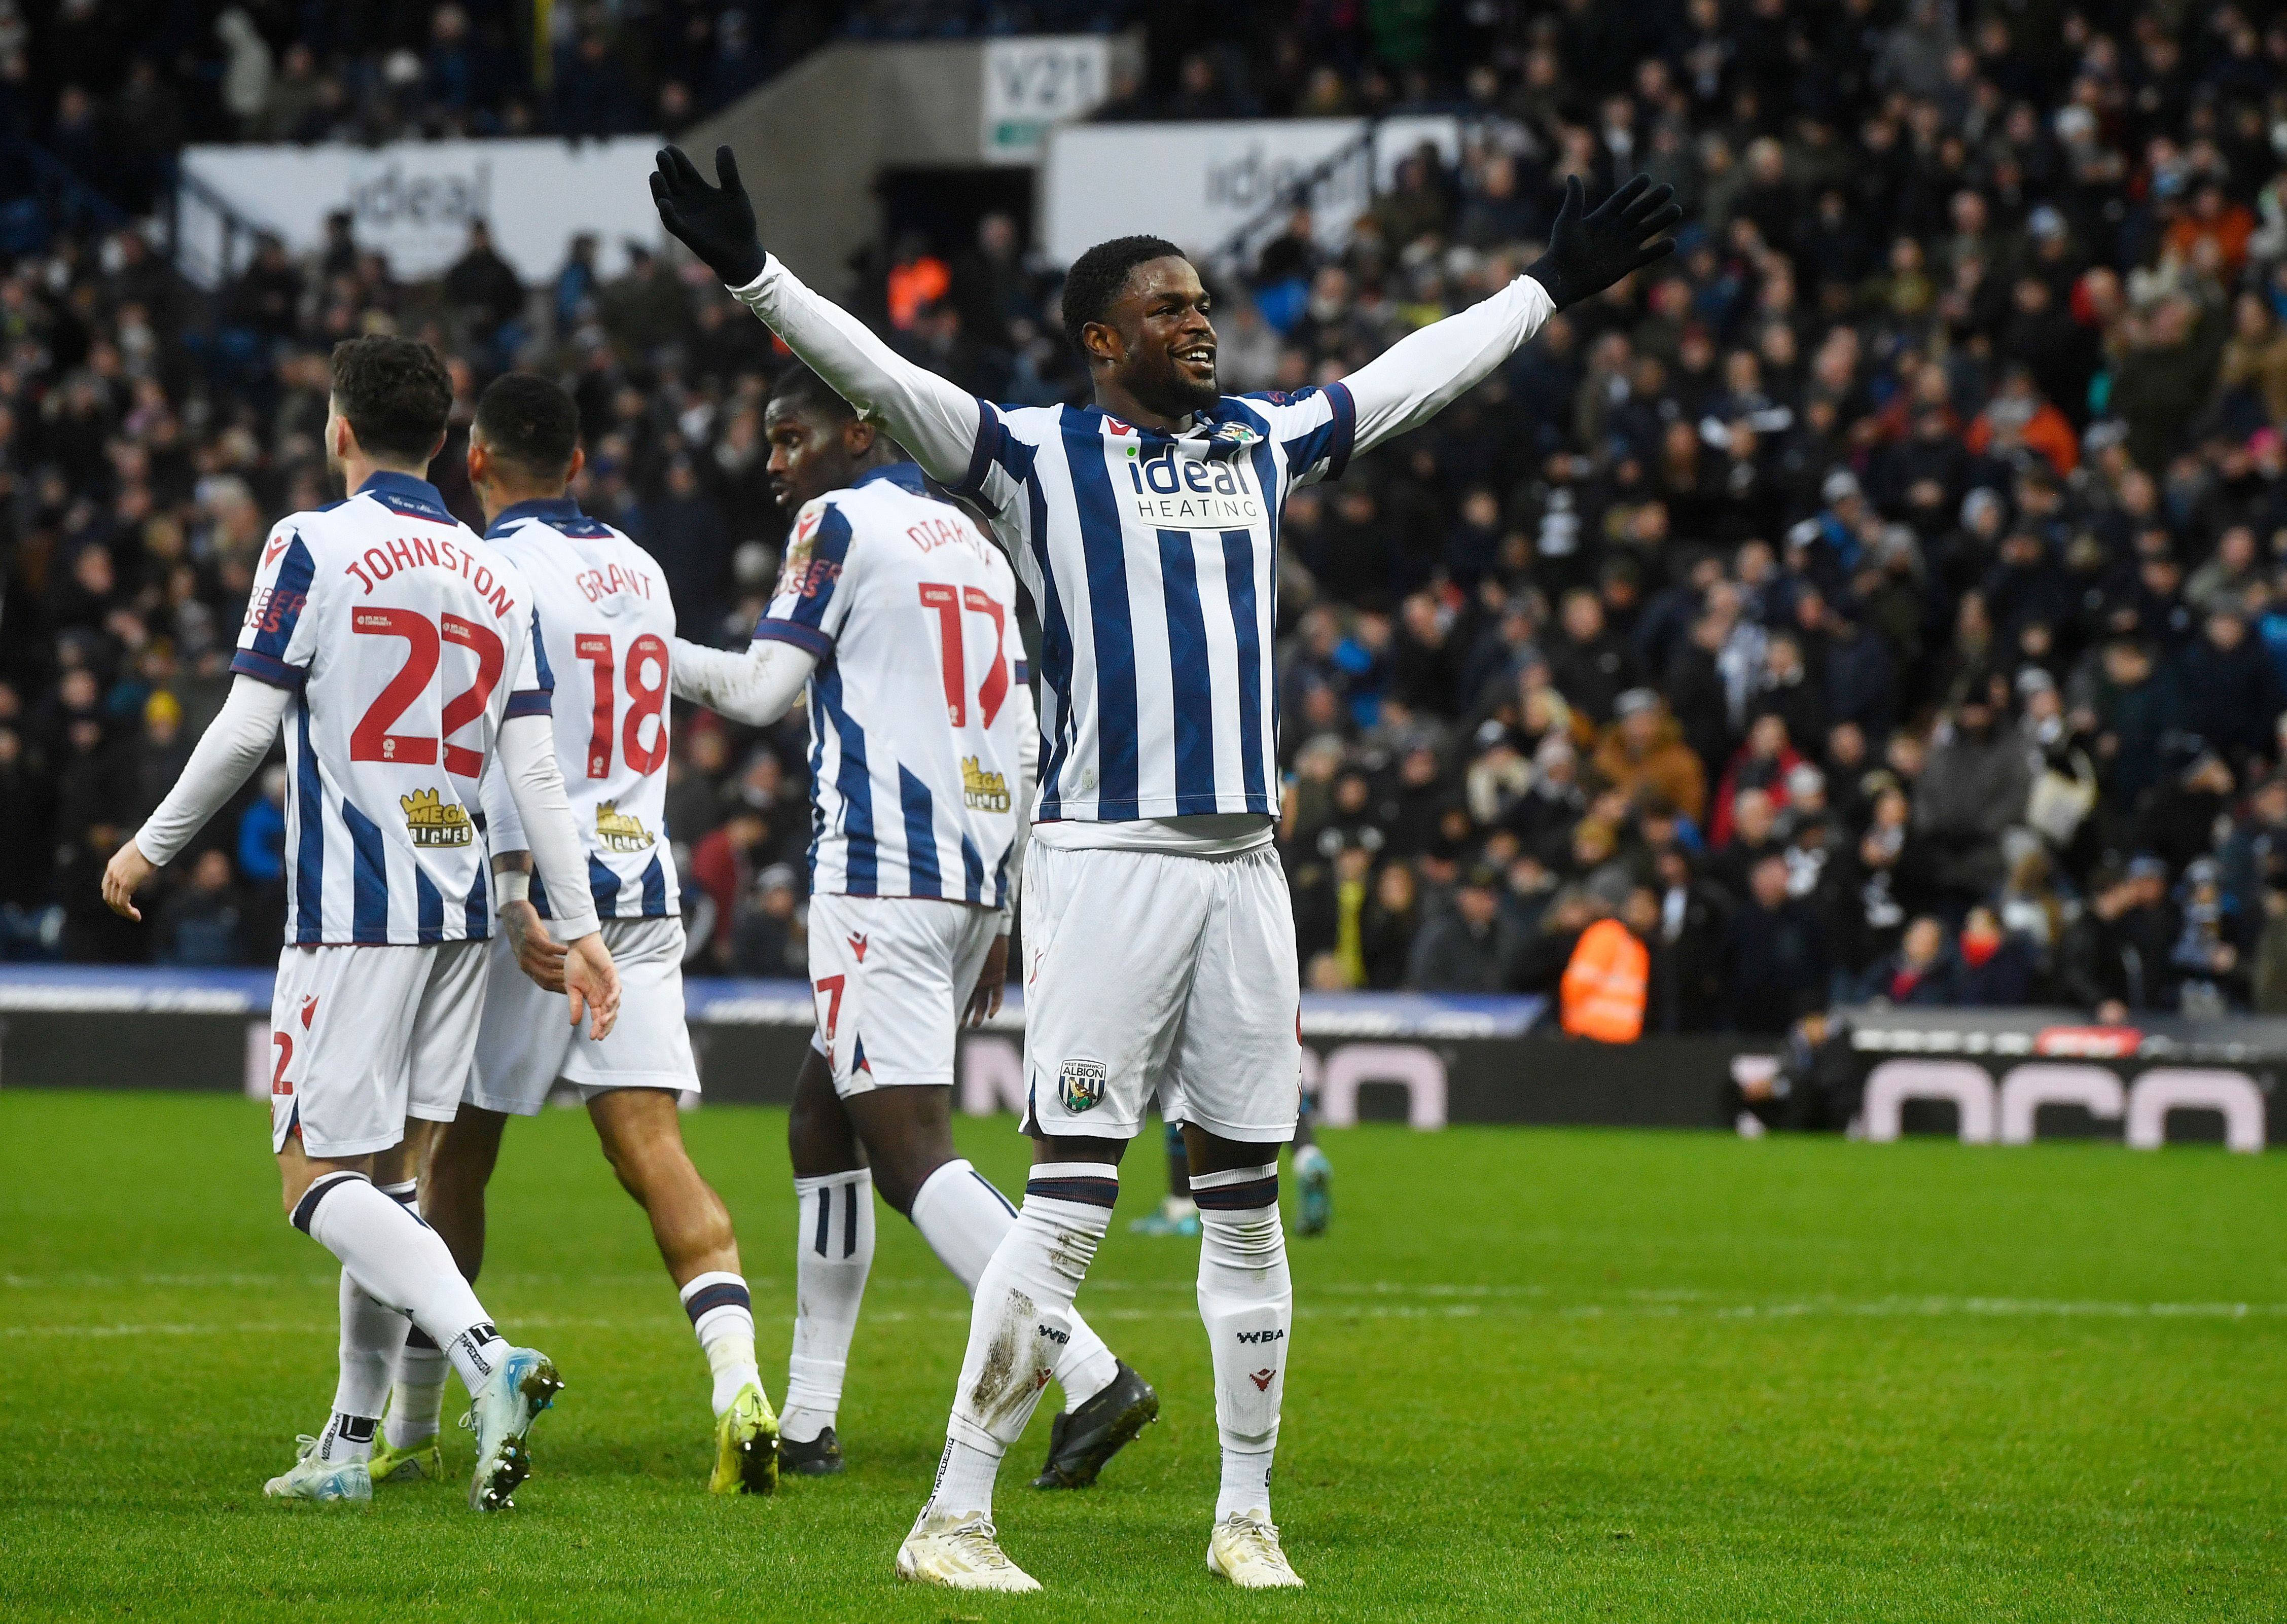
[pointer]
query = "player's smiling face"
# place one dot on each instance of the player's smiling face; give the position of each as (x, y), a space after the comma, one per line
(1166, 353)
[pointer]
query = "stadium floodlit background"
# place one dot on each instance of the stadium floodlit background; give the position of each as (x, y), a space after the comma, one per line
(1882, 602)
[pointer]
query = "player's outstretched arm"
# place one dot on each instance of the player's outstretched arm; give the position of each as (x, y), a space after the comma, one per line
(756, 688)
(526, 748)
(227, 754)
(933, 419)
(1422, 373)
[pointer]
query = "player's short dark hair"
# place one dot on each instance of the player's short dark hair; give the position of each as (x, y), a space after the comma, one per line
(1097, 277)
(531, 421)
(798, 389)
(395, 392)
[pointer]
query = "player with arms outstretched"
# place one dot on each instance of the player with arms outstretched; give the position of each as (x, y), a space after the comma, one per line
(399, 651)
(1157, 927)
(900, 619)
(605, 622)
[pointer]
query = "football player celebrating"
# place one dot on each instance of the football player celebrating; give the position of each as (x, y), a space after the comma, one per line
(605, 620)
(400, 652)
(900, 618)
(1157, 922)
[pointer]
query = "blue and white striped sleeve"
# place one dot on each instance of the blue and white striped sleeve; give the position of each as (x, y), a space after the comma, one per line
(1316, 429)
(812, 603)
(534, 694)
(278, 638)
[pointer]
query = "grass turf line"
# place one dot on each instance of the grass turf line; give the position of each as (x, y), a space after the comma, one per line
(1560, 1374)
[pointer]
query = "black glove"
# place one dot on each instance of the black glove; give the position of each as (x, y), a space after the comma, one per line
(1588, 253)
(715, 223)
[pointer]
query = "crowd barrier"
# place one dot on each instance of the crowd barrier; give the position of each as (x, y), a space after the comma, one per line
(1418, 1059)
(2006, 1077)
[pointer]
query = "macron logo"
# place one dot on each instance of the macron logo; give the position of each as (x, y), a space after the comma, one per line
(270, 554)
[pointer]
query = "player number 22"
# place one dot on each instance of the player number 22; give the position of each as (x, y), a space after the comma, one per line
(646, 679)
(949, 601)
(425, 641)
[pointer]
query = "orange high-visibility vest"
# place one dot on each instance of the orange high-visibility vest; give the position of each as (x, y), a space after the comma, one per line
(1603, 991)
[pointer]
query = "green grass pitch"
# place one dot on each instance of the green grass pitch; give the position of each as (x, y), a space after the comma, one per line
(1567, 1375)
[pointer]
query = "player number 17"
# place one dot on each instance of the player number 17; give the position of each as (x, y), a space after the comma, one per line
(949, 601)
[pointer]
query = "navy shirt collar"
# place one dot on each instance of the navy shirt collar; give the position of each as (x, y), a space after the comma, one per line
(908, 476)
(553, 510)
(387, 483)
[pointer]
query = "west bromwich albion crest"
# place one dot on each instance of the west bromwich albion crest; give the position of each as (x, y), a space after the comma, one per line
(1080, 1083)
(1230, 438)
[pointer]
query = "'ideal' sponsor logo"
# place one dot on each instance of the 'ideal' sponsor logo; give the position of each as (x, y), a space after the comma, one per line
(1178, 492)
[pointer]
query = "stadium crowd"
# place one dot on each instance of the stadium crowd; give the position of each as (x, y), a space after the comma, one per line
(1886, 598)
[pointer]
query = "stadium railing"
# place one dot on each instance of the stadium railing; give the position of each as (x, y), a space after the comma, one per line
(1985, 1076)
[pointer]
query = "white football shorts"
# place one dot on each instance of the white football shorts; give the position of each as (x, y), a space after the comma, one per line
(527, 1041)
(362, 1037)
(1148, 970)
(891, 977)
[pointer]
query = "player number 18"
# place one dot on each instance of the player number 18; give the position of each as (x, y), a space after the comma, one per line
(646, 674)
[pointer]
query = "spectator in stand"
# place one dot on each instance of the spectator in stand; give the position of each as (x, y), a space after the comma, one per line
(1974, 789)
(1997, 969)
(766, 939)
(1777, 953)
(1466, 947)
(489, 296)
(203, 925)
(1920, 970)
(2232, 693)
(1590, 664)
(724, 865)
(1966, 388)
(1643, 751)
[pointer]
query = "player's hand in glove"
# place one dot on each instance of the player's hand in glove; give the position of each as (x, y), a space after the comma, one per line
(1588, 252)
(716, 223)
(592, 981)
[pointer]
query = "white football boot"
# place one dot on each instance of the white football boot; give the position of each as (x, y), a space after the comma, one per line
(1244, 1548)
(326, 1482)
(500, 1414)
(957, 1550)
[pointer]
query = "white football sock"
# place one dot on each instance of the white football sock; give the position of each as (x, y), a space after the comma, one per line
(963, 1216)
(1020, 1324)
(346, 1438)
(404, 1264)
(833, 1253)
(722, 1318)
(1246, 1299)
(416, 1403)
(371, 1336)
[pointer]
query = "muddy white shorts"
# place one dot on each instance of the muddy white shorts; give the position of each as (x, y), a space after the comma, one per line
(362, 1037)
(527, 1041)
(1148, 970)
(891, 977)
